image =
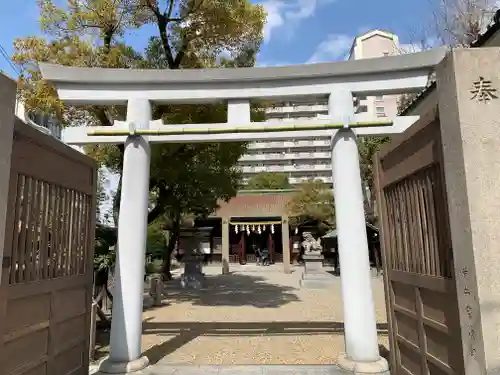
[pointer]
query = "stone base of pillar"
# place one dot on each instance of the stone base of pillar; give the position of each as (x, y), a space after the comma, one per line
(225, 267)
(109, 367)
(378, 367)
(314, 276)
(148, 302)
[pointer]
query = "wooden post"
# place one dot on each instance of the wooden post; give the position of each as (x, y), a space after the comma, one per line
(93, 323)
(93, 328)
(285, 236)
(242, 250)
(225, 245)
(243, 245)
(270, 247)
(7, 106)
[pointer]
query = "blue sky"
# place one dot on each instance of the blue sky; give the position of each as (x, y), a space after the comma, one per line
(297, 31)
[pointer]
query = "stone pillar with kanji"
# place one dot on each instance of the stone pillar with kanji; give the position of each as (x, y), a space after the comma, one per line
(469, 111)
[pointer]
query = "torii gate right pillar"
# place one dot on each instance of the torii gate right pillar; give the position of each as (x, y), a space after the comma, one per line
(360, 325)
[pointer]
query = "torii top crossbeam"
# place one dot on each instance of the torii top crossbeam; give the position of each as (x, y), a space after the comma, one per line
(237, 86)
(385, 75)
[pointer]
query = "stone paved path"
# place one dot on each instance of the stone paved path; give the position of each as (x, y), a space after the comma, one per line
(256, 315)
(243, 370)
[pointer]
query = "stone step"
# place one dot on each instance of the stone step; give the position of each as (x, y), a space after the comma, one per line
(318, 276)
(316, 284)
(242, 370)
(317, 279)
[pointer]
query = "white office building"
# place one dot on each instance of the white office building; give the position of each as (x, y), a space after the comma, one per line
(305, 159)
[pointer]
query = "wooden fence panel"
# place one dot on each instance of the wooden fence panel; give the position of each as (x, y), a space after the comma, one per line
(421, 295)
(46, 291)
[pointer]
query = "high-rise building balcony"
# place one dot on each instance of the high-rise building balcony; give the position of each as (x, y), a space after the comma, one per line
(247, 169)
(323, 142)
(265, 156)
(301, 108)
(300, 180)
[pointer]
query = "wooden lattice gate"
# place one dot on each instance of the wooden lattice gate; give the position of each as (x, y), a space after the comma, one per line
(421, 297)
(46, 284)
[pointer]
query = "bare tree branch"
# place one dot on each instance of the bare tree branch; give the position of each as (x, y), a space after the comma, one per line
(458, 23)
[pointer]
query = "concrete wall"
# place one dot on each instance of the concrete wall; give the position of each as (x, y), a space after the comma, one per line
(7, 107)
(471, 149)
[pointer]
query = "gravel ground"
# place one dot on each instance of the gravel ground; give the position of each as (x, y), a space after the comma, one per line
(255, 315)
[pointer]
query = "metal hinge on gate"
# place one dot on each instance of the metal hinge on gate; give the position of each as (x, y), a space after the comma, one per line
(6, 262)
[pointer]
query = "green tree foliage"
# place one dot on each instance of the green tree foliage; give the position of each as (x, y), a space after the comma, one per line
(405, 100)
(105, 238)
(156, 240)
(189, 34)
(101, 194)
(268, 181)
(313, 205)
(368, 147)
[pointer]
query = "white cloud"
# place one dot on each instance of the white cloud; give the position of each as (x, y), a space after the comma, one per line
(337, 46)
(288, 14)
(274, 18)
(304, 9)
(334, 47)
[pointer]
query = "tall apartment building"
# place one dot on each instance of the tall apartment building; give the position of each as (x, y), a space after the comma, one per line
(304, 159)
(376, 43)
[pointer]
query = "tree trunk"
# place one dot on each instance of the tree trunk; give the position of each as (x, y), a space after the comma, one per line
(116, 200)
(108, 36)
(167, 255)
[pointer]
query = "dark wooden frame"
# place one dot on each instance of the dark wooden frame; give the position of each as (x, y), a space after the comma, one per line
(46, 285)
(421, 296)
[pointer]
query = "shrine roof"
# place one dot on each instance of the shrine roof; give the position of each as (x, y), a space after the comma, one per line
(266, 204)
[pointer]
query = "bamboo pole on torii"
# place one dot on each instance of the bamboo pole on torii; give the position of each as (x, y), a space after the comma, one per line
(158, 132)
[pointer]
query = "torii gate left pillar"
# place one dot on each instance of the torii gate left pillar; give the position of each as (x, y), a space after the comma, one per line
(126, 329)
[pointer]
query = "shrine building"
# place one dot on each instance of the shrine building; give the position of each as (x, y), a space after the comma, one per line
(259, 219)
(251, 220)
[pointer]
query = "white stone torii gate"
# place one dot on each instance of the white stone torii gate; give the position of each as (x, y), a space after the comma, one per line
(138, 89)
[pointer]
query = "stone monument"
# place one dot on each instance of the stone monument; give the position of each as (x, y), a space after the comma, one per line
(314, 276)
(194, 245)
(193, 275)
